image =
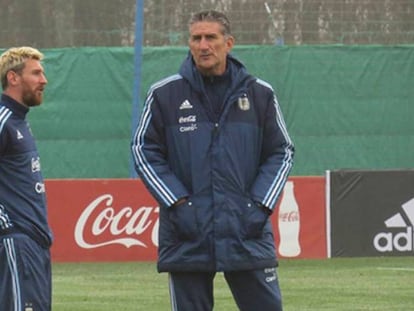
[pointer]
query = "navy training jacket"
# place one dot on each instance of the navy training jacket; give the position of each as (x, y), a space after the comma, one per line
(22, 189)
(224, 168)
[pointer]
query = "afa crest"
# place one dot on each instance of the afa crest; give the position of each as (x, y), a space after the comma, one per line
(243, 103)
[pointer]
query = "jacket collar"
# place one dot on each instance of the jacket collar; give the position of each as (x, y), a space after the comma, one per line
(238, 73)
(14, 106)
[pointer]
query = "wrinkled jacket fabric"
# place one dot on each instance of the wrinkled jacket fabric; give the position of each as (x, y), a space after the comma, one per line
(224, 167)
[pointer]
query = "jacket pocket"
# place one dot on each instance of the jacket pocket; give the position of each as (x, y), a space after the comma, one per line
(184, 220)
(253, 220)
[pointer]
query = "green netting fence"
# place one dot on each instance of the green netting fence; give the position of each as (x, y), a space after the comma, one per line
(345, 106)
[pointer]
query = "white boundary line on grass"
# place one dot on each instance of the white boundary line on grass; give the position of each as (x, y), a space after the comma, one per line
(395, 269)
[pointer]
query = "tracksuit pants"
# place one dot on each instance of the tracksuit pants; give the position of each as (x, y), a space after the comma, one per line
(252, 290)
(25, 274)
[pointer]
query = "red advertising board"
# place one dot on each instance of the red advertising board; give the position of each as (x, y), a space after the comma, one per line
(117, 220)
(309, 196)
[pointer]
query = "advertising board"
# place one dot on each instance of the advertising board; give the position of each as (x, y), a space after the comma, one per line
(117, 220)
(371, 213)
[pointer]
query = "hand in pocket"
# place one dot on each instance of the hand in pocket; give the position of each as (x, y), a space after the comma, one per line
(183, 217)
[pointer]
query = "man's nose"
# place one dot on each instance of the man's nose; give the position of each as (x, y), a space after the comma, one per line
(204, 44)
(43, 79)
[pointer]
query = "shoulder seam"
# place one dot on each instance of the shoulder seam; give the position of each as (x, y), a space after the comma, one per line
(163, 82)
(5, 114)
(264, 83)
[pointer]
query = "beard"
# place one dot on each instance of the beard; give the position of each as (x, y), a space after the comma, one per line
(32, 98)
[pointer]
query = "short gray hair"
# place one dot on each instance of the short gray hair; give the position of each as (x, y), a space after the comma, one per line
(212, 16)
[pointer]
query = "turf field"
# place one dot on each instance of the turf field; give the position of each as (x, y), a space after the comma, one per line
(352, 284)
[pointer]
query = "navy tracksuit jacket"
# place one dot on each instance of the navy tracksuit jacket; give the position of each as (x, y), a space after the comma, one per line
(22, 189)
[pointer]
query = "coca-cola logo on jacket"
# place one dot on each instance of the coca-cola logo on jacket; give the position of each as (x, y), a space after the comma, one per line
(101, 224)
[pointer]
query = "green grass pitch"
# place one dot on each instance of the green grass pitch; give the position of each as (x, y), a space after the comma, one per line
(339, 284)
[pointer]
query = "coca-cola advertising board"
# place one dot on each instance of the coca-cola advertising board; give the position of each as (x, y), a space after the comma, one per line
(117, 220)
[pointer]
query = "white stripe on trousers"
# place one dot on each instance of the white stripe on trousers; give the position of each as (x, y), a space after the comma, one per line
(172, 293)
(12, 262)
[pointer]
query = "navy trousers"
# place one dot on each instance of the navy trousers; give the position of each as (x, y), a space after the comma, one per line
(252, 290)
(25, 274)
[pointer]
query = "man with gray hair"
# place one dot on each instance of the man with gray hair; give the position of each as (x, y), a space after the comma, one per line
(213, 149)
(25, 236)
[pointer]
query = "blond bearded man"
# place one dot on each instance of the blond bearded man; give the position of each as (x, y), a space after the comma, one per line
(25, 236)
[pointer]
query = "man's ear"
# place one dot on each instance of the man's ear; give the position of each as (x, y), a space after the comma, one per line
(230, 42)
(12, 77)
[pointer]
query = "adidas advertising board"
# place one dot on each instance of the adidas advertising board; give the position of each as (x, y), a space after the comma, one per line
(371, 213)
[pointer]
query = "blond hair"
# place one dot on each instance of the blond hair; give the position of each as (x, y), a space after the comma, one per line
(14, 59)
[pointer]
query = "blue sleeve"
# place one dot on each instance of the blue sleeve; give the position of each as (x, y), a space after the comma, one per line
(4, 116)
(149, 152)
(276, 158)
